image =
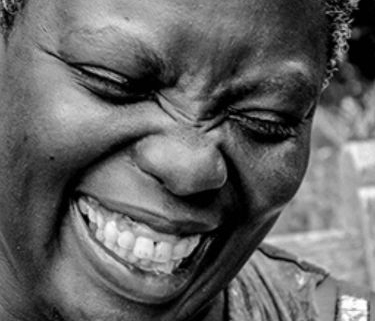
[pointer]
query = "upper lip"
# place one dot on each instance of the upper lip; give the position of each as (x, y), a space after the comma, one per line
(156, 221)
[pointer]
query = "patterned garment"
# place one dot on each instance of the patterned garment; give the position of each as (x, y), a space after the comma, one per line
(276, 286)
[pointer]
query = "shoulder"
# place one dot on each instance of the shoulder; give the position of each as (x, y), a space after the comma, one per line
(277, 285)
(286, 262)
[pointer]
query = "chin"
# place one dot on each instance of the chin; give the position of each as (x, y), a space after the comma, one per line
(113, 265)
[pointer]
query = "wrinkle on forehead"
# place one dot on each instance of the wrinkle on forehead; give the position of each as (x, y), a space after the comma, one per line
(211, 42)
(226, 40)
(114, 43)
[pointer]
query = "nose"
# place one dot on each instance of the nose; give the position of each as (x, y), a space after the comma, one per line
(184, 169)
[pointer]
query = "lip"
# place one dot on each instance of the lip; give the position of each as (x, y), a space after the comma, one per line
(130, 281)
(155, 221)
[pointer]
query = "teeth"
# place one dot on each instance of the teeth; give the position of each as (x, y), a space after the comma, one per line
(110, 234)
(166, 268)
(136, 243)
(99, 221)
(121, 252)
(126, 240)
(163, 252)
(131, 258)
(92, 226)
(83, 206)
(92, 215)
(180, 249)
(122, 225)
(145, 264)
(193, 243)
(144, 248)
(99, 235)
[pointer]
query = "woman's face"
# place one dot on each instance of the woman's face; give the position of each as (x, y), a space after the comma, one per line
(147, 147)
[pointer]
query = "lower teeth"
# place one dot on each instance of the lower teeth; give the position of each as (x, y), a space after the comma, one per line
(132, 251)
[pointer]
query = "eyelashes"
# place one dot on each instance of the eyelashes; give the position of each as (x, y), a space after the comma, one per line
(112, 87)
(267, 127)
(116, 89)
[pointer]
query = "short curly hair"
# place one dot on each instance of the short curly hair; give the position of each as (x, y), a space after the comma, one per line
(338, 13)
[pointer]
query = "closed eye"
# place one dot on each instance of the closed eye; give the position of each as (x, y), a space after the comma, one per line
(266, 126)
(112, 87)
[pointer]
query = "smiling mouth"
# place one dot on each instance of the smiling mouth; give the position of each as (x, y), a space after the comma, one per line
(135, 244)
(147, 263)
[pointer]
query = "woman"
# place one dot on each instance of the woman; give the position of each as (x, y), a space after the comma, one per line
(148, 147)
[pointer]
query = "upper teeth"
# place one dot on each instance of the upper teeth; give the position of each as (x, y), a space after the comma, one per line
(136, 243)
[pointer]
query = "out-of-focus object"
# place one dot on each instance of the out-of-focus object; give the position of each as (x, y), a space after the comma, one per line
(347, 247)
(357, 167)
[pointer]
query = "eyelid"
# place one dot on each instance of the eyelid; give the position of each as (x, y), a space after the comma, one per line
(140, 85)
(268, 126)
(112, 87)
(103, 73)
(266, 115)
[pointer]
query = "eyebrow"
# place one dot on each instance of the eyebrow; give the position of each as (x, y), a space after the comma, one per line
(293, 84)
(288, 86)
(111, 39)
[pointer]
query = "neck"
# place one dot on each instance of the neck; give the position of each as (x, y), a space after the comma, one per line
(15, 301)
(216, 311)
(14, 306)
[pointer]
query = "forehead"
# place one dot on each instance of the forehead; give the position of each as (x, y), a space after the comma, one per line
(219, 38)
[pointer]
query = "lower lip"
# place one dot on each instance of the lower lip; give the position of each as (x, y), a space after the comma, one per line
(129, 281)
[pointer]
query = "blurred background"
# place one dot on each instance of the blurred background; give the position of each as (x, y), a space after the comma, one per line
(330, 221)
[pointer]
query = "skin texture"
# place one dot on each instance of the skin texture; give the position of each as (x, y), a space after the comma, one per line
(211, 134)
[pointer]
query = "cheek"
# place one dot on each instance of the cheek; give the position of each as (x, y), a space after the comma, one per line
(271, 175)
(287, 170)
(59, 128)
